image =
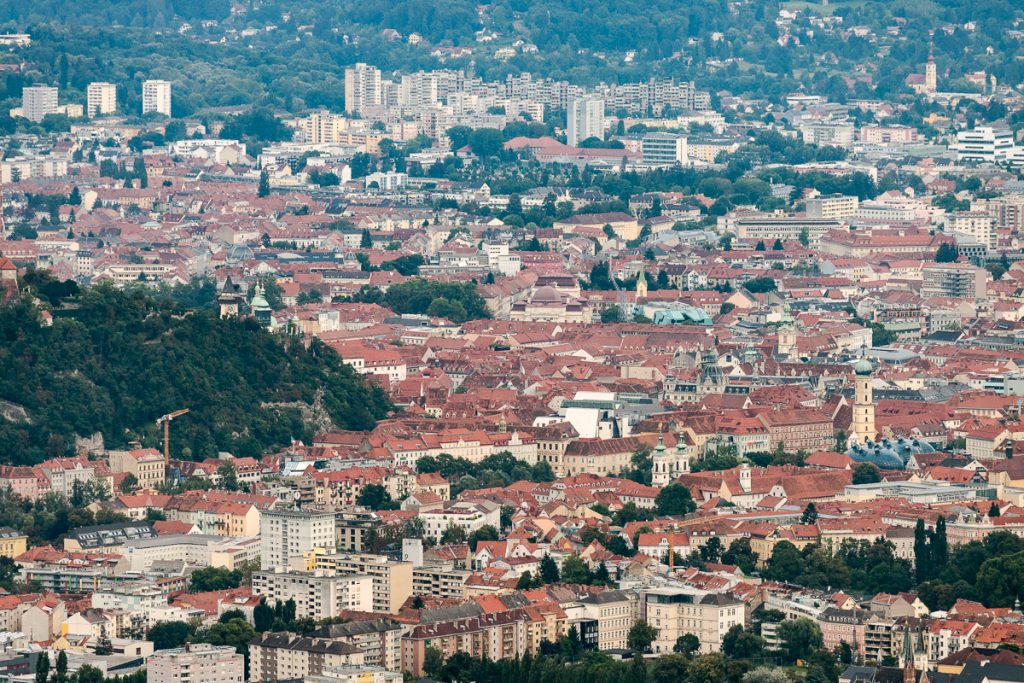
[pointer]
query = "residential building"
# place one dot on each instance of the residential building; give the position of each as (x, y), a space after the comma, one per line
(379, 639)
(978, 225)
(362, 88)
(957, 280)
(355, 674)
(101, 99)
(585, 120)
(320, 594)
(832, 207)
(145, 464)
(288, 537)
(156, 97)
(664, 148)
(604, 619)
(196, 663)
(12, 542)
(392, 581)
(37, 101)
(286, 656)
(464, 515)
(678, 611)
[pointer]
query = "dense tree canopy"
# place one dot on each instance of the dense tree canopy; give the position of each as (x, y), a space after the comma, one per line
(119, 360)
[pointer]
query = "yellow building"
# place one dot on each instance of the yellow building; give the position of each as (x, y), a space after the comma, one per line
(12, 542)
(145, 464)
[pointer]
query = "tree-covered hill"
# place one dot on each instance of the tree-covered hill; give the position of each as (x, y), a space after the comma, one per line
(114, 362)
(291, 54)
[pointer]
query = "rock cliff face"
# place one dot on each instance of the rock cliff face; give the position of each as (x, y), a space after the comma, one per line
(13, 412)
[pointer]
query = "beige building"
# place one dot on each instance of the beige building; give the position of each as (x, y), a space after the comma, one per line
(380, 640)
(196, 663)
(145, 464)
(101, 99)
(320, 594)
(977, 225)
(676, 611)
(392, 581)
(604, 619)
(286, 656)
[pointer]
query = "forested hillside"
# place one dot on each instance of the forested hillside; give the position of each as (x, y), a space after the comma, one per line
(117, 361)
(291, 54)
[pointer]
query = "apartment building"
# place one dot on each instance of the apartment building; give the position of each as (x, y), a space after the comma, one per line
(320, 594)
(501, 635)
(664, 148)
(585, 120)
(980, 226)
(287, 537)
(100, 99)
(391, 581)
(287, 657)
(832, 207)
(678, 611)
(355, 674)
(156, 97)
(12, 542)
(145, 464)
(37, 101)
(465, 515)
(440, 581)
(362, 88)
(351, 527)
(957, 280)
(196, 663)
(604, 619)
(380, 640)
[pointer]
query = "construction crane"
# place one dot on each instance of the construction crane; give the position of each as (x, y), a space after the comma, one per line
(166, 421)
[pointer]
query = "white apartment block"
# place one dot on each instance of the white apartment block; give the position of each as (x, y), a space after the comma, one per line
(288, 536)
(196, 663)
(101, 99)
(585, 120)
(467, 516)
(156, 97)
(664, 148)
(362, 88)
(828, 134)
(832, 207)
(37, 101)
(320, 594)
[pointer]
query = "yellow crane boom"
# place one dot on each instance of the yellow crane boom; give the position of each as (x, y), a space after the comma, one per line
(166, 421)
